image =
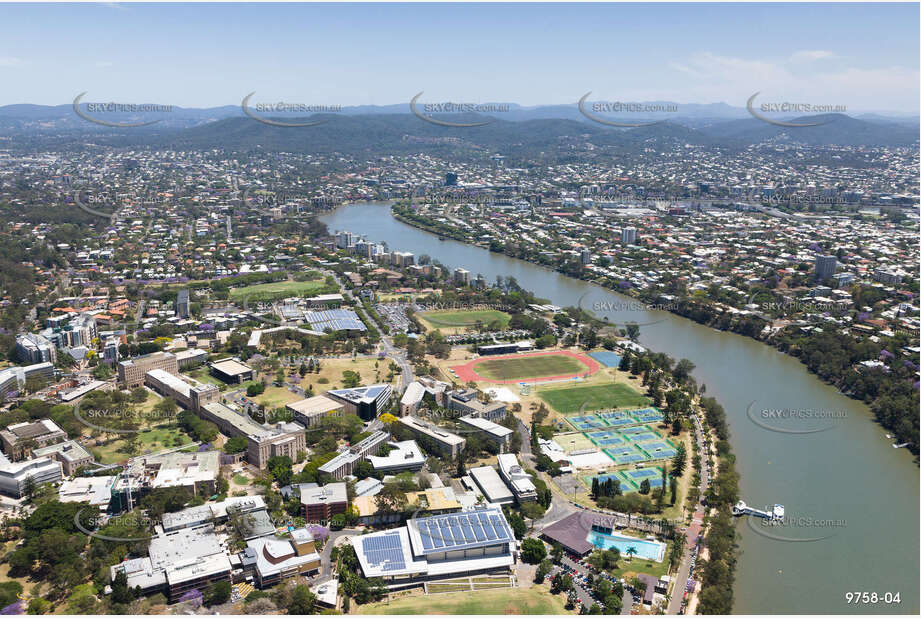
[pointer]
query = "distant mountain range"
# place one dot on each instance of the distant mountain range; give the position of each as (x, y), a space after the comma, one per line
(524, 130)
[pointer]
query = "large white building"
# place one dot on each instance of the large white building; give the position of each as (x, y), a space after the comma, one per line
(14, 477)
(429, 548)
(516, 478)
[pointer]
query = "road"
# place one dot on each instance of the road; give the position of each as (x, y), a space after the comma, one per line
(390, 351)
(326, 567)
(684, 569)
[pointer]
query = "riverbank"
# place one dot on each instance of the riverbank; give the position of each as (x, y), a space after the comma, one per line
(885, 392)
(813, 475)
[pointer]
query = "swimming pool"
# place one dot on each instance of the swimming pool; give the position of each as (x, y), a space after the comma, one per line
(651, 550)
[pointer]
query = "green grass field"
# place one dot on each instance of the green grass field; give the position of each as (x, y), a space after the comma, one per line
(157, 439)
(570, 400)
(277, 289)
(461, 319)
(529, 367)
(535, 600)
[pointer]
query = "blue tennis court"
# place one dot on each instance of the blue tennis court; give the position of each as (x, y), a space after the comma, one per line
(649, 417)
(620, 422)
(632, 430)
(608, 359)
(644, 437)
(644, 473)
(596, 435)
(666, 453)
(656, 446)
(625, 459)
(614, 453)
(584, 423)
(610, 441)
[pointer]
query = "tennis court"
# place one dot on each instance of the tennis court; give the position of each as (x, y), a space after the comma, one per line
(584, 423)
(631, 458)
(608, 359)
(664, 453)
(630, 431)
(612, 441)
(647, 415)
(644, 437)
(614, 453)
(656, 446)
(643, 473)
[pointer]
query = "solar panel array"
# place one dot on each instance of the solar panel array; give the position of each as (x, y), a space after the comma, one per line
(462, 530)
(334, 319)
(384, 552)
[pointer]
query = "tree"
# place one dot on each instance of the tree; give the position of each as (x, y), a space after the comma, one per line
(236, 444)
(645, 487)
(217, 594)
(679, 460)
(121, 593)
(633, 331)
(533, 551)
(303, 602)
(556, 554)
(543, 570)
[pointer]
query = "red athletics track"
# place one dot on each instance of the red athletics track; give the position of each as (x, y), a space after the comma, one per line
(467, 372)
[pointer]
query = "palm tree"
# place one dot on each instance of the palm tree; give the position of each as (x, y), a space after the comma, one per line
(631, 551)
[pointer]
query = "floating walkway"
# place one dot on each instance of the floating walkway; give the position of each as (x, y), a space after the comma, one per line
(773, 512)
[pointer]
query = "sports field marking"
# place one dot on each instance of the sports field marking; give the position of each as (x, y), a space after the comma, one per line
(550, 365)
(599, 397)
(461, 319)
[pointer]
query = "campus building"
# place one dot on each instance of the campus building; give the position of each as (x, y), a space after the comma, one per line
(270, 560)
(430, 548)
(319, 504)
(32, 348)
(71, 454)
(21, 439)
(231, 371)
(131, 372)
(188, 393)
(445, 442)
(311, 411)
(466, 402)
(178, 562)
(498, 435)
(364, 401)
(403, 456)
(263, 442)
(516, 478)
(343, 464)
(15, 477)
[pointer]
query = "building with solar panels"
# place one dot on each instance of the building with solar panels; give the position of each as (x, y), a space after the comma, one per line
(430, 548)
(364, 401)
(334, 320)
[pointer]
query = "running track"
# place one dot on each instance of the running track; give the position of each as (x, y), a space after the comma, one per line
(467, 372)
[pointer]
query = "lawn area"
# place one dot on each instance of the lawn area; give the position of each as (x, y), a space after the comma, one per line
(159, 438)
(203, 375)
(570, 400)
(332, 369)
(460, 320)
(628, 568)
(528, 367)
(239, 479)
(276, 397)
(277, 289)
(534, 600)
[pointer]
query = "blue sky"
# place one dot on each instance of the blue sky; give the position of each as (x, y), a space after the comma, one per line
(861, 56)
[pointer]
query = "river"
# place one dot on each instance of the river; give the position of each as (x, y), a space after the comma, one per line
(851, 499)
